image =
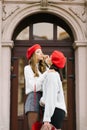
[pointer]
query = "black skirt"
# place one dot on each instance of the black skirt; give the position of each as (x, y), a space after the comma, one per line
(58, 118)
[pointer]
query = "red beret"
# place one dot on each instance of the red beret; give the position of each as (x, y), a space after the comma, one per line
(31, 50)
(58, 59)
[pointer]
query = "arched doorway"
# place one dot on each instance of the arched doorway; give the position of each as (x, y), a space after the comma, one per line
(61, 40)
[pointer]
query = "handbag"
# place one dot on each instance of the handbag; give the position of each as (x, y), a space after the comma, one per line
(37, 125)
(40, 126)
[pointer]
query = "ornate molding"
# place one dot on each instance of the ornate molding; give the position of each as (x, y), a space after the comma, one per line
(8, 44)
(44, 4)
(77, 44)
(6, 13)
(79, 12)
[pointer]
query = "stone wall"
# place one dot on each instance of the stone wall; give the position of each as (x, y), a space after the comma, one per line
(74, 12)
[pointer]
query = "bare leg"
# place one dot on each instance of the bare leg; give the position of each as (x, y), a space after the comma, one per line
(32, 118)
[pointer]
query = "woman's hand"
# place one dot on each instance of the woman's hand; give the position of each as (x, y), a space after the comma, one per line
(42, 104)
(48, 125)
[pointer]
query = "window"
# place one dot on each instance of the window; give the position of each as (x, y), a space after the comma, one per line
(43, 31)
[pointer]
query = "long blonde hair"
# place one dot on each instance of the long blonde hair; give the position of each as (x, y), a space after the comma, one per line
(41, 65)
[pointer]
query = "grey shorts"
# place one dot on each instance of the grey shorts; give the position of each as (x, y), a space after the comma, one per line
(32, 102)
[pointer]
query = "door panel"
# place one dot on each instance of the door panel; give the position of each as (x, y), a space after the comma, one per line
(18, 118)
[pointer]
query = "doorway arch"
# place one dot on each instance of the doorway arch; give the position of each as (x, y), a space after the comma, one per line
(52, 44)
(66, 16)
(39, 18)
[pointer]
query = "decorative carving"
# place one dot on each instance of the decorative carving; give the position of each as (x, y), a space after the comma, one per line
(44, 3)
(79, 12)
(7, 14)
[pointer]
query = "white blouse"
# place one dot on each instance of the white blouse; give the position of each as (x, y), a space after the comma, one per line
(31, 81)
(52, 95)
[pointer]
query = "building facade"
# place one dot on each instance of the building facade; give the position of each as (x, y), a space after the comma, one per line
(15, 15)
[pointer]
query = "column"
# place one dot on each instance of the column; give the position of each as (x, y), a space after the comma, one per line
(6, 70)
(81, 84)
(0, 35)
(0, 68)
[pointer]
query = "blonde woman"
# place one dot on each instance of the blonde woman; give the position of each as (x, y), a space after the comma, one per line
(34, 77)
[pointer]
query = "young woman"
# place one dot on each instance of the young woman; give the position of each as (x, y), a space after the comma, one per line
(34, 77)
(53, 97)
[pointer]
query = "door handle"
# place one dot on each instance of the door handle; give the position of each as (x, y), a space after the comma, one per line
(71, 76)
(13, 76)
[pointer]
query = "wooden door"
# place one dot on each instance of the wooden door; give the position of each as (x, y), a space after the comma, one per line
(18, 118)
(49, 38)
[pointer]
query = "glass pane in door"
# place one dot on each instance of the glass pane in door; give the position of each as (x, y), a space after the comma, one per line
(61, 33)
(24, 34)
(43, 31)
(21, 90)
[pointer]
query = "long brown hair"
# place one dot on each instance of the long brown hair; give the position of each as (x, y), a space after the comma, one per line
(41, 65)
